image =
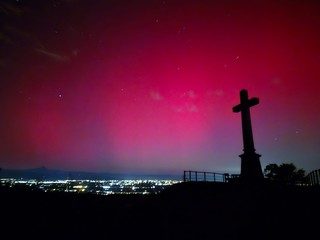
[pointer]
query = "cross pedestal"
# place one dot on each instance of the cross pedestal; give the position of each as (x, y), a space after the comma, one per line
(250, 161)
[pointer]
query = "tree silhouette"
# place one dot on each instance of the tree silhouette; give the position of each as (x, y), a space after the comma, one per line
(286, 173)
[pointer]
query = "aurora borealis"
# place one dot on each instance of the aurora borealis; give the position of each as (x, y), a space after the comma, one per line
(149, 86)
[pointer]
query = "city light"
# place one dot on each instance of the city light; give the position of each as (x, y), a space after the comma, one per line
(101, 187)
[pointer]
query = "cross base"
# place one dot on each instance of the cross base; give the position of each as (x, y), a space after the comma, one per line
(251, 171)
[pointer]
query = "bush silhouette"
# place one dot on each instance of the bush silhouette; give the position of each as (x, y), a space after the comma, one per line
(285, 173)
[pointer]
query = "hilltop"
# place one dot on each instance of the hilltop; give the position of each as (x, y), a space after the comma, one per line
(183, 211)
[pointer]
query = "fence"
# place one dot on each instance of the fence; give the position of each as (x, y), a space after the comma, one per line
(196, 176)
(313, 178)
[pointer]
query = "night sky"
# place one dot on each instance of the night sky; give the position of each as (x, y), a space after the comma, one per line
(149, 86)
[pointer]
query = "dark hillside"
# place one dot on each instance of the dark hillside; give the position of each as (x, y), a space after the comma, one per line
(183, 211)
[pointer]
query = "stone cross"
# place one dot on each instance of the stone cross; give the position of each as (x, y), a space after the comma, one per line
(250, 161)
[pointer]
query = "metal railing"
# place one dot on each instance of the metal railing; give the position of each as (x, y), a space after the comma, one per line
(313, 178)
(197, 176)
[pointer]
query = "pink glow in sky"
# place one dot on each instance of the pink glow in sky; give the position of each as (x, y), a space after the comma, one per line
(149, 86)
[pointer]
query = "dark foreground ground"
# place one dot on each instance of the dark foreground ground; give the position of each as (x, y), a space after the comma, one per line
(184, 211)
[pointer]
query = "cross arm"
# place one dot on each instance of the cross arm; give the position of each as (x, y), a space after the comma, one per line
(253, 101)
(237, 108)
(249, 103)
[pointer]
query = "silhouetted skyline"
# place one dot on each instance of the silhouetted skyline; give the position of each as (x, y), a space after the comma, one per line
(149, 86)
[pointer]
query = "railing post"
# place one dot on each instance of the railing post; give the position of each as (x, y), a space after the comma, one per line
(309, 179)
(312, 179)
(204, 175)
(189, 176)
(184, 176)
(214, 177)
(196, 176)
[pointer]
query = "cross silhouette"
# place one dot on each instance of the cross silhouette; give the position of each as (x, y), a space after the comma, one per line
(244, 107)
(250, 162)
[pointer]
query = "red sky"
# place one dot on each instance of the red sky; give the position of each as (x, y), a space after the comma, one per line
(149, 86)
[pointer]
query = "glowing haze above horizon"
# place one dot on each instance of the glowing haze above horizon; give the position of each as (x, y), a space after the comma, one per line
(149, 86)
